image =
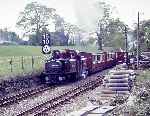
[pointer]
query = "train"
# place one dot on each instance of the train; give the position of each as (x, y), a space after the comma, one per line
(72, 65)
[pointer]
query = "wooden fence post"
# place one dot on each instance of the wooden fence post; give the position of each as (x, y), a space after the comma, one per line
(10, 62)
(22, 66)
(32, 62)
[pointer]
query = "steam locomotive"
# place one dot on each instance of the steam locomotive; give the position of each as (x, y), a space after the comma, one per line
(70, 65)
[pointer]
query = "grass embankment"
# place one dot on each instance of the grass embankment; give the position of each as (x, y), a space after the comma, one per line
(144, 76)
(15, 53)
(141, 105)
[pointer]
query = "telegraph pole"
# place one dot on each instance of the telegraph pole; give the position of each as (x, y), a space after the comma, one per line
(100, 35)
(138, 41)
(126, 44)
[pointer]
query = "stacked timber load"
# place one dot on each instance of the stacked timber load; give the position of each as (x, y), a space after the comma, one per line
(131, 73)
(118, 82)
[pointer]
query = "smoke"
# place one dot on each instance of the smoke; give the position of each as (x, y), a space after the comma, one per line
(87, 13)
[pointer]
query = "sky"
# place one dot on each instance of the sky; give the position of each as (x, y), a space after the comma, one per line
(80, 12)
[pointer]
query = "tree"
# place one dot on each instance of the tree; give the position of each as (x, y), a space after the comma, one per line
(103, 23)
(72, 30)
(59, 23)
(6, 35)
(116, 34)
(110, 31)
(13, 37)
(144, 35)
(34, 18)
(32, 39)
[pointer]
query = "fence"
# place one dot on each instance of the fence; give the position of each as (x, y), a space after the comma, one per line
(14, 65)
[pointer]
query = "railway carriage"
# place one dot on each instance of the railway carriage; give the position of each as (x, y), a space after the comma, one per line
(99, 62)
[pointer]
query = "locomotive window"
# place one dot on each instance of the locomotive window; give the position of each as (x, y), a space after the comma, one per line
(109, 57)
(93, 58)
(98, 57)
(113, 55)
(103, 57)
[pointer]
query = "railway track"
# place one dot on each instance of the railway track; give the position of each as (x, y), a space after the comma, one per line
(22, 95)
(6, 101)
(52, 103)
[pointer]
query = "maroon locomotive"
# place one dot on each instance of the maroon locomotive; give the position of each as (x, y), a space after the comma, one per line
(70, 65)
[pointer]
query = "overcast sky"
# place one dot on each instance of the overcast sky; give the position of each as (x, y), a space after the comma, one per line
(80, 12)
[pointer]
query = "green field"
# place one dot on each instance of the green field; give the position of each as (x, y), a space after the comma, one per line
(20, 66)
(36, 50)
(20, 51)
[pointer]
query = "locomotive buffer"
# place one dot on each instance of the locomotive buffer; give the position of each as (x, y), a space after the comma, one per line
(46, 43)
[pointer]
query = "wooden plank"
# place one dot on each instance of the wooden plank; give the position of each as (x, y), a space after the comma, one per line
(102, 110)
(83, 111)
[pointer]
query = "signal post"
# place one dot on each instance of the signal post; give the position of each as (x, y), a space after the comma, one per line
(46, 43)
